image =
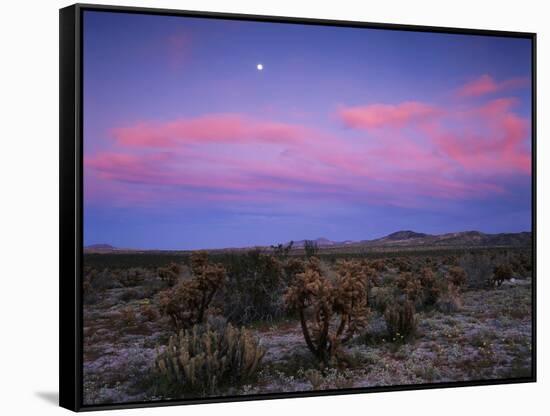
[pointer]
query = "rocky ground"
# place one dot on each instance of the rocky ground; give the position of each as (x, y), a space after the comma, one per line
(489, 338)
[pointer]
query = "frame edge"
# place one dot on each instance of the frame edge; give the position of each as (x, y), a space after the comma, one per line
(69, 286)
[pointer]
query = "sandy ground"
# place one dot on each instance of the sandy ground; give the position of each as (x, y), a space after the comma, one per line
(489, 338)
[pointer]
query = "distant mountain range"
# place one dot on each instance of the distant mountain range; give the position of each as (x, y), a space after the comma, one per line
(398, 239)
(412, 238)
(99, 248)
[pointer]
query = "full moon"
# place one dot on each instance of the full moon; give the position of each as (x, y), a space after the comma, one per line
(259, 67)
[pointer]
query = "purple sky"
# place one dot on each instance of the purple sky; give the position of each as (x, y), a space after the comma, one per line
(346, 133)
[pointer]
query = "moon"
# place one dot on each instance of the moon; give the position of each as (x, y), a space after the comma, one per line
(259, 67)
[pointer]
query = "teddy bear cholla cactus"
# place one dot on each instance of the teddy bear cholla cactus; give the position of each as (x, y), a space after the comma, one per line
(457, 276)
(431, 286)
(170, 274)
(400, 320)
(330, 313)
(201, 359)
(350, 293)
(410, 285)
(187, 303)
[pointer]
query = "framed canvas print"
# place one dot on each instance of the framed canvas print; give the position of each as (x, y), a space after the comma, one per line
(259, 207)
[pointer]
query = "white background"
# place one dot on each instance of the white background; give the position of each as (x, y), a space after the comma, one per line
(29, 205)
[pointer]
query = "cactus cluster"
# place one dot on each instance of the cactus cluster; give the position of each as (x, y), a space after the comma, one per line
(411, 286)
(421, 289)
(350, 295)
(330, 312)
(292, 267)
(450, 299)
(202, 359)
(170, 273)
(401, 320)
(424, 289)
(431, 287)
(501, 273)
(379, 265)
(128, 316)
(133, 276)
(403, 264)
(148, 312)
(457, 276)
(187, 302)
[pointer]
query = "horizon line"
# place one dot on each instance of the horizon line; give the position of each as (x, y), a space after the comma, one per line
(253, 246)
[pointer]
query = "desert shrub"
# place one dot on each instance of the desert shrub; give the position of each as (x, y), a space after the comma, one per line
(501, 273)
(450, 300)
(518, 268)
(88, 278)
(90, 293)
(254, 289)
(187, 302)
(457, 276)
(315, 377)
(129, 295)
(379, 265)
(102, 280)
(410, 285)
(401, 322)
(422, 288)
(330, 378)
(171, 273)
(149, 312)
(381, 297)
(450, 260)
(478, 268)
(430, 262)
(373, 274)
(525, 260)
(131, 277)
(330, 313)
(203, 359)
(128, 316)
(403, 264)
(199, 261)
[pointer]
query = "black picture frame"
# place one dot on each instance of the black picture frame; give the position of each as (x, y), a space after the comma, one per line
(71, 203)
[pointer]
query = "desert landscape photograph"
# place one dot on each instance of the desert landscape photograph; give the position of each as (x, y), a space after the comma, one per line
(275, 208)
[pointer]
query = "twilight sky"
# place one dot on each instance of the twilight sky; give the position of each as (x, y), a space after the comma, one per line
(346, 133)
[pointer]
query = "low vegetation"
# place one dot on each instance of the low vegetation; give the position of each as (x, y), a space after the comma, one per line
(203, 358)
(187, 303)
(295, 319)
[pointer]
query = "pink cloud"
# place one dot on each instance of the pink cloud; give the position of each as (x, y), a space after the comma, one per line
(445, 153)
(495, 140)
(495, 108)
(203, 171)
(486, 84)
(215, 128)
(385, 115)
